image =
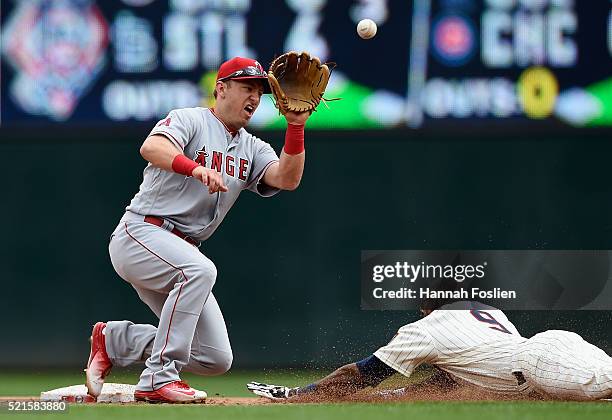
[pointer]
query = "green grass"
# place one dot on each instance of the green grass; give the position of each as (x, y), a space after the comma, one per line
(232, 384)
(399, 411)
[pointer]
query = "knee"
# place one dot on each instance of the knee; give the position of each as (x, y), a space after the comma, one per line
(204, 272)
(222, 363)
(212, 363)
(209, 271)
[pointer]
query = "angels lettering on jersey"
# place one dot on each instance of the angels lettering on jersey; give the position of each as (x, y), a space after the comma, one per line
(222, 162)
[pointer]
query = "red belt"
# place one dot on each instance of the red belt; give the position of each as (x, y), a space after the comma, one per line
(160, 222)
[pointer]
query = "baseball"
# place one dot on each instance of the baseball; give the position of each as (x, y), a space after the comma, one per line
(366, 28)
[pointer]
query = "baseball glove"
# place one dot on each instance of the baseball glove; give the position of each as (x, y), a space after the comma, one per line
(298, 81)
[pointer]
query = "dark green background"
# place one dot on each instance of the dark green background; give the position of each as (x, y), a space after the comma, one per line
(289, 266)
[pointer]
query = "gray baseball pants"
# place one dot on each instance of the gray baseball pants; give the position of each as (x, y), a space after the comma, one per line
(175, 280)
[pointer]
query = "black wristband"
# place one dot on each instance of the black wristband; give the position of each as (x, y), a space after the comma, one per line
(373, 370)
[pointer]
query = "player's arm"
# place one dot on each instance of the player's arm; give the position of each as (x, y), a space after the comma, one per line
(162, 153)
(371, 371)
(343, 381)
(351, 378)
(286, 174)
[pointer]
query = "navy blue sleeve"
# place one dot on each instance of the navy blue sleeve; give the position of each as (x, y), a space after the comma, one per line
(373, 370)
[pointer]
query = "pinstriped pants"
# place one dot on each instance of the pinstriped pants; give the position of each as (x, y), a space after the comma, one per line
(175, 280)
(561, 365)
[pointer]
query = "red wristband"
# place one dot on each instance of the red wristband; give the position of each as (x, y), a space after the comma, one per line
(183, 165)
(294, 139)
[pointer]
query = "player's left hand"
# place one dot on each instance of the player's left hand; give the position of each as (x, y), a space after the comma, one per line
(297, 118)
(274, 392)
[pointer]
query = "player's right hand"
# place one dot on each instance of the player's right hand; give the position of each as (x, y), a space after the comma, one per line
(211, 178)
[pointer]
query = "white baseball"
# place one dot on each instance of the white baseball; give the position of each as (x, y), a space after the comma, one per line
(366, 28)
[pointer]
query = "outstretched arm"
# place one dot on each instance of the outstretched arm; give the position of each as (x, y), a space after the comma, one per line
(286, 174)
(343, 381)
(351, 378)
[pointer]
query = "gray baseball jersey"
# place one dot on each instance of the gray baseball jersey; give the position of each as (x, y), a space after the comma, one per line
(185, 202)
(473, 345)
(169, 274)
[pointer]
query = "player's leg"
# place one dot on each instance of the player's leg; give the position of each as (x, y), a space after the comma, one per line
(598, 382)
(128, 343)
(562, 365)
(211, 352)
(153, 259)
(120, 343)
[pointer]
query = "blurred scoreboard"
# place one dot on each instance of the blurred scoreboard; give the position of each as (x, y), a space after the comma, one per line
(433, 63)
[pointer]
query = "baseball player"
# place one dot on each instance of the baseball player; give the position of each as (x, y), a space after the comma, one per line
(478, 345)
(200, 160)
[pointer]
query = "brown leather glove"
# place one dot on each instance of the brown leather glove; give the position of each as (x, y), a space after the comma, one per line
(298, 81)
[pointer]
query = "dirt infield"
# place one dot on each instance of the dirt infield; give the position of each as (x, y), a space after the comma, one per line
(459, 394)
(237, 401)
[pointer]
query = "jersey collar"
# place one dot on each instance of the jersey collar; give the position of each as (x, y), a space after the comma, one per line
(232, 133)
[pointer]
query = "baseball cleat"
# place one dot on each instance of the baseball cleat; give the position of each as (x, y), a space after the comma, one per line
(273, 392)
(98, 365)
(177, 392)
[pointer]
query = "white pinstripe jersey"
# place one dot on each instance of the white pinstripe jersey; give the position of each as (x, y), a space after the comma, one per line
(475, 346)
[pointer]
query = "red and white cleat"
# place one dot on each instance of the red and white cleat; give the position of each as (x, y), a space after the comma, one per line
(98, 365)
(177, 392)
